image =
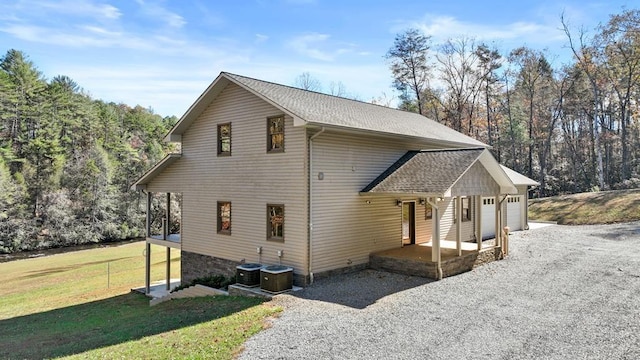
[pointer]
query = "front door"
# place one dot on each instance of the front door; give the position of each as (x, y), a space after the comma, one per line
(408, 223)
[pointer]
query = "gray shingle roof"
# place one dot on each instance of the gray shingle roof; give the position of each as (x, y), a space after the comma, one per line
(426, 172)
(323, 109)
(519, 179)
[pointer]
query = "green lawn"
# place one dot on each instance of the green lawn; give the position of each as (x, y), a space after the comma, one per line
(64, 305)
(602, 207)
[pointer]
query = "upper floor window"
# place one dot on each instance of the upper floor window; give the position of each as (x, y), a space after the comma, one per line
(275, 134)
(224, 217)
(275, 222)
(224, 139)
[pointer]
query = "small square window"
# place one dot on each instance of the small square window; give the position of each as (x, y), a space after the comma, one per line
(275, 134)
(428, 212)
(275, 222)
(224, 139)
(224, 217)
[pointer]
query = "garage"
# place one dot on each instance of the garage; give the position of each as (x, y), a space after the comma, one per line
(488, 217)
(515, 206)
(514, 212)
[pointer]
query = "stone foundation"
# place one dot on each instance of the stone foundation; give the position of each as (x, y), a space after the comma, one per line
(450, 267)
(195, 266)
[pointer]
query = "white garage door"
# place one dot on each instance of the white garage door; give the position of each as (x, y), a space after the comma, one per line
(488, 217)
(513, 212)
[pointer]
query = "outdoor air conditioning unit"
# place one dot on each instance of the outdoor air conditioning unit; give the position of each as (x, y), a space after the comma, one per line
(248, 274)
(276, 278)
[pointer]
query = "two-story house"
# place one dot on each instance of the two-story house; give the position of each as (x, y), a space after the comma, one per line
(278, 175)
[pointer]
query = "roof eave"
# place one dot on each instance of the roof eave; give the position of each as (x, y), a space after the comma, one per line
(499, 175)
(439, 142)
(203, 101)
(141, 183)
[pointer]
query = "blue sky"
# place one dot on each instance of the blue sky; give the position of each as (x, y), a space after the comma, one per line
(163, 54)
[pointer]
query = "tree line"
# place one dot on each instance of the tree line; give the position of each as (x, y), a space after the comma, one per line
(67, 161)
(575, 128)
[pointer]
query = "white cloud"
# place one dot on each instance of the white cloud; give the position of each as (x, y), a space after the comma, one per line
(442, 27)
(70, 7)
(158, 12)
(308, 45)
(260, 38)
(314, 45)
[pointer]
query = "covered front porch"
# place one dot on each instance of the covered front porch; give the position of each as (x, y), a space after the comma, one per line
(164, 235)
(450, 185)
(163, 218)
(417, 260)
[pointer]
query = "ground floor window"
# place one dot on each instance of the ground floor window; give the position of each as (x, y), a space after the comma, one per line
(275, 222)
(224, 217)
(466, 209)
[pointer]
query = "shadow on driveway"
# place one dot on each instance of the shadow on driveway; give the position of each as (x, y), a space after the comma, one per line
(361, 289)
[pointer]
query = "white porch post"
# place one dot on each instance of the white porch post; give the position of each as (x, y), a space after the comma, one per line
(459, 225)
(167, 227)
(435, 241)
(147, 262)
(498, 220)
(168, 268)
(148, 224)
(478, 217)
(147, 268)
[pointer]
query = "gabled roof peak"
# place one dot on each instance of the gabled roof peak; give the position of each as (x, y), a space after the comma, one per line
(314, 108)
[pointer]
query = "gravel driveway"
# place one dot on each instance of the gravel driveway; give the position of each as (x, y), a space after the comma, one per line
(565, 292)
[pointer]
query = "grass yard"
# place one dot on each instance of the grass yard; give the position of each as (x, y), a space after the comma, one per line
(64, 306)
(603, 207)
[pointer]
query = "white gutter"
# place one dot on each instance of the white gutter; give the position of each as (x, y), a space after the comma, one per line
(310, 197)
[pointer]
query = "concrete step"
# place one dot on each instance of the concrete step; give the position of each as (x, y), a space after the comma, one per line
(192, 291)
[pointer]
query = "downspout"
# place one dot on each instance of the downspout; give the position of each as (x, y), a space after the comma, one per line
(147, 252)
(436, 230)
(310, 201)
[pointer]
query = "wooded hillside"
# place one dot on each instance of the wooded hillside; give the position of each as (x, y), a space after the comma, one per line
(67, 161)
(573, 127)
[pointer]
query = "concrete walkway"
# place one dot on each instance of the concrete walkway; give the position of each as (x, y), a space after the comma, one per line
(158, 289)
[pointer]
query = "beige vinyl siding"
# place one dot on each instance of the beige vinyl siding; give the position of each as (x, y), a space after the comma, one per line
(423, 226)
(347, 226)
(448, 226)
(475, 181)
(250, 179)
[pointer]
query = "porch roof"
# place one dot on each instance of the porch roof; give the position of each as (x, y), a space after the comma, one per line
(519, 179)
(141, 184)
(436, 172)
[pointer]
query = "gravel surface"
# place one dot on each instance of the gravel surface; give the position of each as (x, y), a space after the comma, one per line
(565, 292)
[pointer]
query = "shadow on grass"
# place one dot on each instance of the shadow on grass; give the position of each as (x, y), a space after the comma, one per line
(348, 289)
(93, 325)
(55, 270)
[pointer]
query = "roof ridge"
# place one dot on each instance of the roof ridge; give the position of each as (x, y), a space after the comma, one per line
(321, 93)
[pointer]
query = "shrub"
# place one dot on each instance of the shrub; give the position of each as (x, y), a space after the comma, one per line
(215, 281)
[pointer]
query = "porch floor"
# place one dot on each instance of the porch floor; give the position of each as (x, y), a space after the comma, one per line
(416, 259)
(423, 251)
